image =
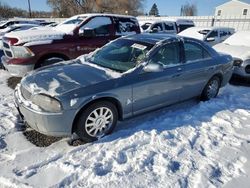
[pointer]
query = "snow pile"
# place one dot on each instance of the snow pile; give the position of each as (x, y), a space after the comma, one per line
(189, 145)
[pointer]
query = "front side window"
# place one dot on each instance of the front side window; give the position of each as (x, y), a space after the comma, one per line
(194, 52)
(157, 27)
(121, 55)
(213, 34)
(168, 55)
(100, 25)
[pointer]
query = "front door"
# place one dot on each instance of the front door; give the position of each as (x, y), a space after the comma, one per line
(156, 89)
(198, 70)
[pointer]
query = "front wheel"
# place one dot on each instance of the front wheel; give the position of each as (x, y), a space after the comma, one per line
(212, 89)
(98, 120)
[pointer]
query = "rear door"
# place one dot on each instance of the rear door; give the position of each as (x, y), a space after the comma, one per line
(157, 89)
(199, 68)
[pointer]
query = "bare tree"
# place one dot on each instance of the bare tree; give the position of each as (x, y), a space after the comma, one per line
(189, 9)
(66, 8)
(9, 12)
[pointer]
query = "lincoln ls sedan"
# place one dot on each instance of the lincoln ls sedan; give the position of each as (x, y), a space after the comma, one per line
(127, 77)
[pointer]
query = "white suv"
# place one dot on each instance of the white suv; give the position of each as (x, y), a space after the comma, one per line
(211, 35)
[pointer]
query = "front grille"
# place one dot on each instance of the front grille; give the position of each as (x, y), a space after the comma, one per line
(7, 49)
(8, 53)
(6, 45)
(25, 93)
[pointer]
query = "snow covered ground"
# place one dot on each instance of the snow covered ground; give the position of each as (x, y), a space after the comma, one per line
(189, 145)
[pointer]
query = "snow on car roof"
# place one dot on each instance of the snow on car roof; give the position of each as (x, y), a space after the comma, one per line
(100, 14)
(240, 38)
(177, 20)
(194, 32)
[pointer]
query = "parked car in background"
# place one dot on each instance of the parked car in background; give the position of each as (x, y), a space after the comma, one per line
(170, 26)
(7, 23)
(127, 77)
(16, 27)
(78, 35)
(12, 28)
(238, 46)
(159, 27)
(210, 35)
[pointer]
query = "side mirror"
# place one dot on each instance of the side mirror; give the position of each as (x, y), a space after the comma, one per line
(153, 67)
(88, 33)
(210, 39)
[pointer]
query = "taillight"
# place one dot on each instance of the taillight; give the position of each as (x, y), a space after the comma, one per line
(12, 41)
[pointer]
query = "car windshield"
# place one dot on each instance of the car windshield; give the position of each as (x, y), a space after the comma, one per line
(121, 55)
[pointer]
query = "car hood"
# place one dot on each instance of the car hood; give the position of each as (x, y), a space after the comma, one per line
(35, 35)
(242, 52)
(66, 76)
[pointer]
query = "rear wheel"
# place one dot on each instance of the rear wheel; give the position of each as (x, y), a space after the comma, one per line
(212, 89)
(98, 120)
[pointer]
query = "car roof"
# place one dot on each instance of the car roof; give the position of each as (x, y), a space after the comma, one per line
(152, 38)
(101, 14)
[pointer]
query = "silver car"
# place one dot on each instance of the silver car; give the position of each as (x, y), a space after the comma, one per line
(238, 46)
(127, 77)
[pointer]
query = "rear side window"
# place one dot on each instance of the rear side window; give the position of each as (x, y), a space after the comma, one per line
(99, 24)
(195, 52)
(168, 55)
(169, 26)
(225, 33)
(125, 25)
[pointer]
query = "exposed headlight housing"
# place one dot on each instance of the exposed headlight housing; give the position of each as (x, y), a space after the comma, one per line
(238, 62)
(47, 103)
(21, 52)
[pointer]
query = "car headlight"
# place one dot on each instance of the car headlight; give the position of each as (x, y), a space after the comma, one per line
(21, 52)
(47, 103)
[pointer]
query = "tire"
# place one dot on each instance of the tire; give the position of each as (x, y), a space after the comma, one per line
(212, 88)
(49, 61)
(92, 120)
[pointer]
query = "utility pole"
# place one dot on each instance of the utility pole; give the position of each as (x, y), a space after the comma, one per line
(29, 8)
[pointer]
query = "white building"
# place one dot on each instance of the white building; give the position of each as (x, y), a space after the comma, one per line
(233, 8)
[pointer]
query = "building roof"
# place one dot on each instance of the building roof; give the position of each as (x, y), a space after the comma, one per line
(236, 1)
